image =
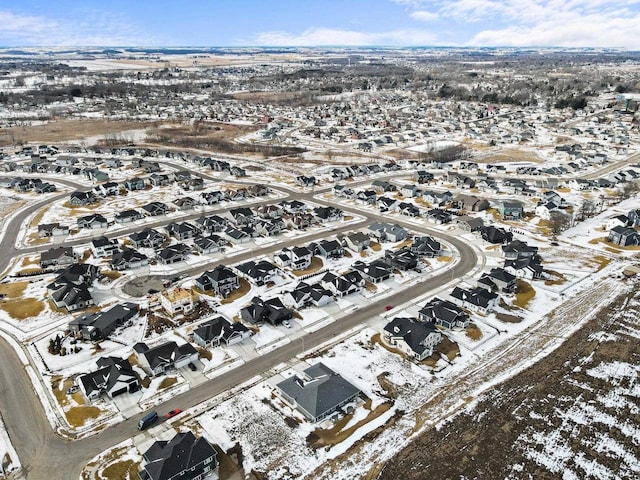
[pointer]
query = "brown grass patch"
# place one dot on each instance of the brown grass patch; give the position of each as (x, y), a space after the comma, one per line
(492, 247)
(119, 470)
(511, 155)
(563, 189)
(78, 416)
(406, 243)
(377, 339)
(111, 274)
(602, 261)
(316, 264)
(507, 318)
(30, 261)
(13, 290)
(444, 258)
(167, 382)
(22, 308)
(558, 280)
(524, 294)
(245, 286)
(37, 218)
(75, 208)
(473, 332)
(371, 287)
(375, 246)
(34, 239)
(65, 130)
(336, 434)
(204, 353)
(61, 393)
(448, 348)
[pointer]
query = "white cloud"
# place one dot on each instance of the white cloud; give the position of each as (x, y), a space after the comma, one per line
(570, 23)
(89, 28)
(589, 31)
(328, 36)
(424, 16)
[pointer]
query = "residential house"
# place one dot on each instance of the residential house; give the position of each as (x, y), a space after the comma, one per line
(388, 232)
(271, 310)
(297, 258)
(58, 256)
(165, 357)
(528, 267)
(220, 331)
(128, 259)
(98, 326)
(182, 231)
(70, 289)
(211, 224)
(469, 224)
(185, 203)
(443, 313)
(222, 280)
(155, 209)
(356, 241)
(318, 392)
(518, 249)
(477, 299)
(82, 199)
(46, 230)
(134, 184)
(511, 210)
(413, 338)
(114, 377)
(498, 280)
(470, 203)
(328, 214)
(376, 271)
(304, 295)
(329, 249)
(104, 247)
(208, 244)
(258, 273)
(402, 259)
(495, 235)
(147, 238)
(93, 221)
(173, 253)
(128, 216)
(426, 246)
(178, 300)
(342, 285)
(624, 236)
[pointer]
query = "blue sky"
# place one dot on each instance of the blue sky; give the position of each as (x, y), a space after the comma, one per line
(571, 23)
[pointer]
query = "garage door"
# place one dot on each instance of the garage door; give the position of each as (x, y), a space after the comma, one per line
(120, 391)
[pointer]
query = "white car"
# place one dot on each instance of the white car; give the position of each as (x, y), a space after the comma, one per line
(286, 323)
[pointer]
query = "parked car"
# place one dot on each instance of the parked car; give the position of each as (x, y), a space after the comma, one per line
(388, 307)
(286, 323)
(173, 413)
(148, 420)
(192, 366)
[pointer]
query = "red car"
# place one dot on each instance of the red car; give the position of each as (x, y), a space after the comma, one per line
(388, 307)
(173, 413)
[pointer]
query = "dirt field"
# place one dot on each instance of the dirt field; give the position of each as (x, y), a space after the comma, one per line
(65, 130)
(561, 418)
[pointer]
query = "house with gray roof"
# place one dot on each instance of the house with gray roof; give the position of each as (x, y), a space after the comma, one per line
(165, 357)
(415, 339)
(318, 392)
(114, 377)
(184, 457)
(220, 331)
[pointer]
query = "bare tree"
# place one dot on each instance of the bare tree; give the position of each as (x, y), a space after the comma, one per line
(559, 222)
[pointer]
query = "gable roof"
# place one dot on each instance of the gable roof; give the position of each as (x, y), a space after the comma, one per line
(169, 459)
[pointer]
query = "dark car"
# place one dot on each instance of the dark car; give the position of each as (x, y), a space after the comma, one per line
(192, 367)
